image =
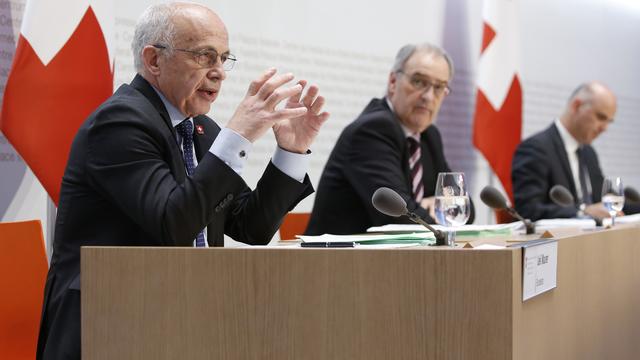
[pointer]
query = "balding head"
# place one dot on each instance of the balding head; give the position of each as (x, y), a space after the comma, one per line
(166, 23)
(181, 50)
(589, 112)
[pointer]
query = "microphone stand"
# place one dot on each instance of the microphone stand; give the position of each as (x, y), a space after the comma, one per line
(528, 225)
(441, 238)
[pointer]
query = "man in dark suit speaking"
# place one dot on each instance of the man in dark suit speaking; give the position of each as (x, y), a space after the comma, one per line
(562, 155)
(148, 168)
(392, 143)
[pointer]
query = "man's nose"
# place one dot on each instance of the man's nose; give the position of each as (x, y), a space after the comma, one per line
(217, 72)
(429, 94)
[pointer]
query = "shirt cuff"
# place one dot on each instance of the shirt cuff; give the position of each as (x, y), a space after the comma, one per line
(232, 148)
(293, 164)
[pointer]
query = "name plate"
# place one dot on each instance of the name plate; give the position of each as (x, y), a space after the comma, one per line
(539, 267)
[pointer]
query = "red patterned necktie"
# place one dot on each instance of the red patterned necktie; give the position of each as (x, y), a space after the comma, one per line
(415, 166)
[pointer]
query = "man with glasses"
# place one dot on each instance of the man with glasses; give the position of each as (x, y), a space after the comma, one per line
(148, 168)
(393, 143)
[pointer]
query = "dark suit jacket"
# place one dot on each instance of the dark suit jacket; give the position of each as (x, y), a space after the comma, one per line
(540, 162)
(125, 185)
(371, 152)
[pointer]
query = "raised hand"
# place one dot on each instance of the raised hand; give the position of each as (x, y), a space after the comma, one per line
(257, 112)
(296, 133)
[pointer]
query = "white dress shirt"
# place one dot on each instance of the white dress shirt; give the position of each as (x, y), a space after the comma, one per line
(571, 145)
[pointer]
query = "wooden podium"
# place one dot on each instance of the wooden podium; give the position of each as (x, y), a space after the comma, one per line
(417, 303)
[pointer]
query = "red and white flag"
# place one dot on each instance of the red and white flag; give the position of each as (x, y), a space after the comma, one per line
(498, 119)
(62, 70)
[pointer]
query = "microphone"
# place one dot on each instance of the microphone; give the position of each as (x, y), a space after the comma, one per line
(561, 196)
(494, 199)
(631, 195)
(390, 203)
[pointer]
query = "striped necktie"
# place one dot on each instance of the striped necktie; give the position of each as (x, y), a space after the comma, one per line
(185, 130)
(415, 168)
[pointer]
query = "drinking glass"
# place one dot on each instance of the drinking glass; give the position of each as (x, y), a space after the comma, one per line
(613, 196)
(452, 206)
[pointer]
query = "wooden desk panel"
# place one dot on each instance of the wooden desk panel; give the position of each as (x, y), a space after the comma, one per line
(419, 303)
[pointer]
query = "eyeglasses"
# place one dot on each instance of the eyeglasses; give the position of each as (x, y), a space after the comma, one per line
(423, 84)
(207, 57)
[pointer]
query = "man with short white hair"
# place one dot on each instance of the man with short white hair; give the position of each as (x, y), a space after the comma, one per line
(148, 168)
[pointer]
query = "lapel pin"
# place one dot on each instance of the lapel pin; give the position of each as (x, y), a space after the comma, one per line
(199, 129)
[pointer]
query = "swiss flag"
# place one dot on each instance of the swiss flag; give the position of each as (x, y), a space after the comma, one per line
(61, 72)
(498, 118)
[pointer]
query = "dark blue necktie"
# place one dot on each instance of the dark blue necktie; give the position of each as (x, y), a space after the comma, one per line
(185, 130)
(583, 174)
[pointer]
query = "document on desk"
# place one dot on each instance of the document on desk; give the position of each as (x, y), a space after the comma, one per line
(539, 267)
(464, 230)
(627, 219)
(423, 238)
(550, 224)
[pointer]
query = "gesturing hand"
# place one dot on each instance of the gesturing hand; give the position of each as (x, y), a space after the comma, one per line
(296, 133)
(257, 111)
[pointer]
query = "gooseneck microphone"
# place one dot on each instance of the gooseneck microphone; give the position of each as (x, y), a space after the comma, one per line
(391, 203)
(495, 200)
(561, 196)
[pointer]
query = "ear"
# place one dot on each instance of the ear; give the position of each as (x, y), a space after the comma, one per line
(150, 59)
(575, 105)
(393, 82)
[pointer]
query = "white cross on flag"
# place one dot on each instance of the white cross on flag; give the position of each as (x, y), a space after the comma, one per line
(498, 117)
(62, 70)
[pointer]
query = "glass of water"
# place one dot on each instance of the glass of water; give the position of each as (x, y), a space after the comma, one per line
(613, 196)
(452, 205)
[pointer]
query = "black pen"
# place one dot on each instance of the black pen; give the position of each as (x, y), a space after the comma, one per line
(328, 244)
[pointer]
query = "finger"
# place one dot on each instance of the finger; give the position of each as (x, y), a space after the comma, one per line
(272, 84)
(296, 98)
(323, 117)
(280, 94)
(259, 82)
(310, 96)
(288, 113)
(317, 105)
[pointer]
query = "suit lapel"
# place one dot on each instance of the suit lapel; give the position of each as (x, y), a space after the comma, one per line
(177, 161)
(142, 85)
(203, 136)
(564, 160)
(399, 135)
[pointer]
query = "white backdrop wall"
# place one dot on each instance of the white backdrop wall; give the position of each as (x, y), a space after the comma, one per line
(347, 49)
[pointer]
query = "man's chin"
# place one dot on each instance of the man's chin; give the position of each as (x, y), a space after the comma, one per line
(423, 125)
(200, 110)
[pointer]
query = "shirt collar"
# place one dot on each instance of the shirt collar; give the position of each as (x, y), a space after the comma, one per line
(570, 143)
(174, 114)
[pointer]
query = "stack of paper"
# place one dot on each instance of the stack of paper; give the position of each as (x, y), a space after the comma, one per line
(627, 219)
(550, 224)
(464, 230)
(418, 238)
